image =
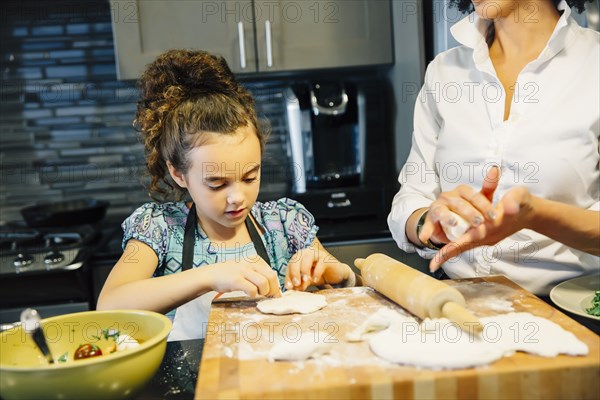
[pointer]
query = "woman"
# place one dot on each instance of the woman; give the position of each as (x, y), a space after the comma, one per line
(506, 135)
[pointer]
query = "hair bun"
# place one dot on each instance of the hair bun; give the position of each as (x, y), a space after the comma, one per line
(208, 76)
(186, 74)
(183, 94)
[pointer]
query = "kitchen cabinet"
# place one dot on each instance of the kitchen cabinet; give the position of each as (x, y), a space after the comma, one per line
(255, 35)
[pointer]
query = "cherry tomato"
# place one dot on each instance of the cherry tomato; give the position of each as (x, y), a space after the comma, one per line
(86, 351)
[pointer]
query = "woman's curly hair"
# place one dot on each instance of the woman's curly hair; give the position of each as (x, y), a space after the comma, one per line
(467, 6)
(183, 95)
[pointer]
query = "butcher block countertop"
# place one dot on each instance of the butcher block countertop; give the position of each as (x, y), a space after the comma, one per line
(234, 362)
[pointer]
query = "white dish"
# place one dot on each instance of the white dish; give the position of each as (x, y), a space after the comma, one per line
(575, 295)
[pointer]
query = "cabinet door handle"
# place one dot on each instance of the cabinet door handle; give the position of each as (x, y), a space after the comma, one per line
(339, 204)
(242, 43)
(269, 44)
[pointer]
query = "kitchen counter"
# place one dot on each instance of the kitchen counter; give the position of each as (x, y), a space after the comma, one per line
(178, 373)
(233, 362)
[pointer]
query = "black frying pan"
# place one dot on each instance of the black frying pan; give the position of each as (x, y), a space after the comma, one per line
(65, 213)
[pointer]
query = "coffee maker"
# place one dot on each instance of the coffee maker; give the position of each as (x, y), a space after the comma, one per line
(339, 150)
(326, 137)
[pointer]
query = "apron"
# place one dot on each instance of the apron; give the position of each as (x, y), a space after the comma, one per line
(191, 318)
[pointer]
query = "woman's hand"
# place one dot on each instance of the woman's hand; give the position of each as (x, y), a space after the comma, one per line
(513, 213)
(254, 278)
(474, 206)
(315, 266)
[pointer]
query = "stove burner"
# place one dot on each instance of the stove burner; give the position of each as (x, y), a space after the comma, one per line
(46, 267)
(54, 258)
(22, 261)
(28, 250)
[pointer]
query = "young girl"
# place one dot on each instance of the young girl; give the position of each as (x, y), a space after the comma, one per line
(203, 141)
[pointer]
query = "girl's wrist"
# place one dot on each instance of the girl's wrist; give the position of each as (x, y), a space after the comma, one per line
(205, 278)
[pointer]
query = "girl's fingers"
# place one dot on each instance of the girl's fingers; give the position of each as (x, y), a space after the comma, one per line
(293, 276)
(247, 287)
(299, 270)
(270, 275)
(265, 282)
(306, 266)
(275, 290)
(318, 271)
(259, 281)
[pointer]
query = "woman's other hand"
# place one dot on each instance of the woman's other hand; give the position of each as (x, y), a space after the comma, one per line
(513, 213)
(474, 206)
(315, 266)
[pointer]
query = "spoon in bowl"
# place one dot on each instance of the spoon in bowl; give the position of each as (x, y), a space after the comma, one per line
(30, 319)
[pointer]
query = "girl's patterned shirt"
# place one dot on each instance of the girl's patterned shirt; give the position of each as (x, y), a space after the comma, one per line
(287, 227)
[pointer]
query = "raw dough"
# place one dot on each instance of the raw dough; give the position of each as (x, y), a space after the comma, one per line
(310, 345)
(456, 231)
(378, 321)
(440, 344)
(293, 302)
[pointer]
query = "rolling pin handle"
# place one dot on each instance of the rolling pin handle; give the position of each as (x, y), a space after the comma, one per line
(463, 317)
(359, 262)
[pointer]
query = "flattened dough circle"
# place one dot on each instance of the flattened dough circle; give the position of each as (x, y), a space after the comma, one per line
(293, 302)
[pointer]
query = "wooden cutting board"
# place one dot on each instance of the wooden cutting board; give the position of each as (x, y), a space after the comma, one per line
(234, 363)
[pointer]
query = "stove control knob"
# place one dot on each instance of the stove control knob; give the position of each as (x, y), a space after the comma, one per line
(23, 261)
(54, 258)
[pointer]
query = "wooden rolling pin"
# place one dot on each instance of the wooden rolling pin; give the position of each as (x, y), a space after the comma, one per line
(422, 295)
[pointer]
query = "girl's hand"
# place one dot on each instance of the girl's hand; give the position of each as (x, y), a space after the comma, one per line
(513, 213)
(315, 266)
(474, 206)
(254, 278)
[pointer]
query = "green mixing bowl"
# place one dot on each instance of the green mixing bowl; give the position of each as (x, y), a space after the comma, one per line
(25, 373)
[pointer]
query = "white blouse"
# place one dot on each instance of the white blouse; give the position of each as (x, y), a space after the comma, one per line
(548, 144)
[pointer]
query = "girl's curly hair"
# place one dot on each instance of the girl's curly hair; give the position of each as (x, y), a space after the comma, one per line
(467, 6)
(183, 95)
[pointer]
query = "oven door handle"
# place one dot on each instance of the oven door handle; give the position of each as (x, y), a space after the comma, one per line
(339, 204)
(70, 267)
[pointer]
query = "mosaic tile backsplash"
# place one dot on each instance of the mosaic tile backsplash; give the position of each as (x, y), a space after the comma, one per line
(66, 120)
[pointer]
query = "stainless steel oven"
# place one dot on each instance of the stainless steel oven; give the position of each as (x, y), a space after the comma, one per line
(45, 268)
